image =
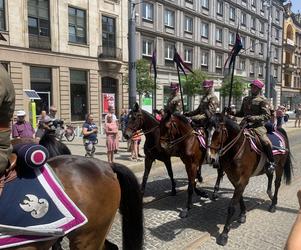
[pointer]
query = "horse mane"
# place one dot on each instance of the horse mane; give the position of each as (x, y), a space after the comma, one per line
(218, 118)
(54, 146)
(231, 124)
(181, 117)
(146, 113)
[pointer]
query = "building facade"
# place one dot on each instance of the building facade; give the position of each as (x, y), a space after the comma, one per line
(203, 32)
(291, 84)
(70, 52)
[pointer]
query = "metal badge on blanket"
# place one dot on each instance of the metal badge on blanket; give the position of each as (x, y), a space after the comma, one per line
(34, 207)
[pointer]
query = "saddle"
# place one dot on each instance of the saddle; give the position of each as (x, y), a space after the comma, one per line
(200, 133)
(10, 172)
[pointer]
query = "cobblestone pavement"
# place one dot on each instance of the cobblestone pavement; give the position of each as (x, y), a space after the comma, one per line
(263, 230)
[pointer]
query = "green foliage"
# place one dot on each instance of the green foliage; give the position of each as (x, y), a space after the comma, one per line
(145, 84)
(192, 85)
(238, 88)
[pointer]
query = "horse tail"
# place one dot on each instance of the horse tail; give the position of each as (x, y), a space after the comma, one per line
(130, 208)
(288, 166)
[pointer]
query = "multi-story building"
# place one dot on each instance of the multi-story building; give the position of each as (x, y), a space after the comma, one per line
(70, 52)
(291, 84)
(203, 33)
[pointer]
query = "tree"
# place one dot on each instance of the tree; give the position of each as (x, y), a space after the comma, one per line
(238, 88)
(192, 85)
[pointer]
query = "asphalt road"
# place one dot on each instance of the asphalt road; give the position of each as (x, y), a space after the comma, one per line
(164, 229)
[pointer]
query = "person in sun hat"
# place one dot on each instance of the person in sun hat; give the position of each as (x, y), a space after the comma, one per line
(7, 107)
(22, 128)
(255, 110)
(207, 106)
(174, 103)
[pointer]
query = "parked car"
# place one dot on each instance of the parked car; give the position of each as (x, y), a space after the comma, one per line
(291, 114)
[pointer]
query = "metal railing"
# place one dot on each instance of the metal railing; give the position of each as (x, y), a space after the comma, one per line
(106, 52)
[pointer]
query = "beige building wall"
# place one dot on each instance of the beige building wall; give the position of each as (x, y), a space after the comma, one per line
(65, 55)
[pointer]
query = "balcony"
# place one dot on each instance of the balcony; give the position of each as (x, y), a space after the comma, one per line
(110, 58)
(39, 42)
(289, 44)
(289, 67)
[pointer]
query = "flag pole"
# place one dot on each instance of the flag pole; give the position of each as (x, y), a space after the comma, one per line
(179, 78)
(231, 83)
(155, 94)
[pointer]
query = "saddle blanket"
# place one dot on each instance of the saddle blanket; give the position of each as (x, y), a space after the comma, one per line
(201, 138)
(37, 206)
(278, 143)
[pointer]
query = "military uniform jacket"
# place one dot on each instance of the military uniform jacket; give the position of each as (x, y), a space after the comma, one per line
(257, 107)
(207, 107)
(174, 104)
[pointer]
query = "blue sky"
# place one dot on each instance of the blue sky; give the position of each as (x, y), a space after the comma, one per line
(296, 5)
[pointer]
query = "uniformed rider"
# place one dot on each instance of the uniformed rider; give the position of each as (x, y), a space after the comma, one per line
(255, 110)
(174, 104)
(207, 106)
(7, 106)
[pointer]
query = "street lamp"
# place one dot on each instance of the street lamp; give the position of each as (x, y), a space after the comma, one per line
(268, 4)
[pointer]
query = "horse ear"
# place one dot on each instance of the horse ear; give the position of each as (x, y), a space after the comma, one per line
(136, 107)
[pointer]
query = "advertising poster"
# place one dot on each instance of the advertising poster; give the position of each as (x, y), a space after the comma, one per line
(108, 99)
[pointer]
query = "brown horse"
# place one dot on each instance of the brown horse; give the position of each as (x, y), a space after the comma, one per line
(179, 138)
(229, 146)
(98, 190)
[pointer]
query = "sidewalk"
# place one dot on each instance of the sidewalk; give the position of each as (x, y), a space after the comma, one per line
(124, 157)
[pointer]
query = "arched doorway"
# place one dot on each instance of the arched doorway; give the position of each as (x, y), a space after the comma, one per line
(109, 88)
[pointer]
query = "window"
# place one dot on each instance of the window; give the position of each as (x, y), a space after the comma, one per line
(244, 2)
(2, 15)
(204, 59)
(252, 45)
(188, 55)
(78, 94)
(260, 48)
(232, 13)
(77, 25)
(261, 6)
(41, 81)
(253, 23)
(275, 71)
(188, 24)
(205, 30)
(219, 35)
(261, 27)
(243, 41)
(39, 24)
(231, 38)
(220, 8)
(109, 36)
(169, 51)
(169, 18)
(205, 4)
(276, 53)
(243, 19)
(147, 47)
(148, 11)
(253, 3)
(260, 70)
(252, 67)
(277, 34)
(242, 64)
(218, 62)
(277, 15)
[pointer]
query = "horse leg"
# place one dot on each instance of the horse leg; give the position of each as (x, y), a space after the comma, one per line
(222, 239)
(220, 174)
(147, 167)
(199, 174)
(242, 216)
(269, 189)
(272, 208)
(57, 244)
(170, 173)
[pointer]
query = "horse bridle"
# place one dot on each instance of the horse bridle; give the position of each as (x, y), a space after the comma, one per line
(140, 125)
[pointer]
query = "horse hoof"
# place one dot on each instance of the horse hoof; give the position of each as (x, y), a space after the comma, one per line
(222, 240)
(272, 209)
(242, 219)
(183, 213)
(215, 196)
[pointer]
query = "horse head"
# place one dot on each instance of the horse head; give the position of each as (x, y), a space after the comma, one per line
(135, 121)
(221, 130)
(173, 127)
